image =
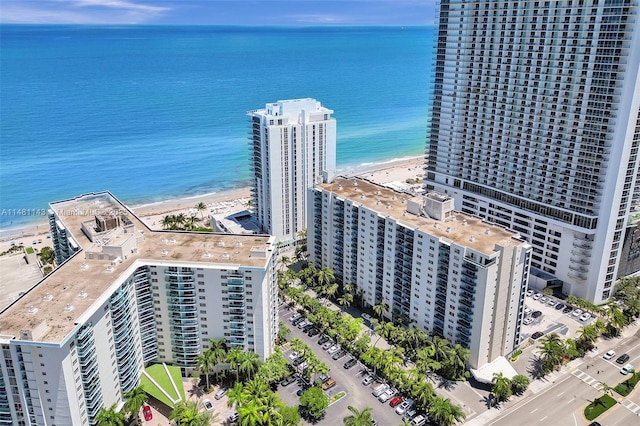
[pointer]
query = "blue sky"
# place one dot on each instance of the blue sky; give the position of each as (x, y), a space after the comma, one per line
(219, 12)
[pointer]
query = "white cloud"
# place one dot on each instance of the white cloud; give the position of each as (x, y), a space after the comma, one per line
(118, 4)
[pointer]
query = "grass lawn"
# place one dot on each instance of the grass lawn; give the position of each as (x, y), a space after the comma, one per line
(159, 374)
(598, 407)
(29, 250)
(627, 386)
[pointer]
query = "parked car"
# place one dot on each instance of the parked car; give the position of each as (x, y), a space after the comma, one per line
(350, 363)
(576, 313)
(296, 362)
(324, 377)
(294, 317)
(387, 395)
(333, 349)
(537, 335)
(298, 321)
(326, 345)
(530, 292)
(341, 353)
(207, 405)
(536, 296)
(148, 415)
(609, 354)
(366, 316)
(419, 420)
(404, 406)
(368, 380)
(560, 306)
(409, 414)
(328, 384)
(527, 310)
(221, 392)
(567, 310)
(622, 359)
(536, 314)
(234, 417)
(288, 380)
(303, 366)
(323, 339)
(303, 323)
(627, 369)
(307, 327)
(378, 389)
(313, 332)
(293, 355)
(395, 401)
(585, 316)
(527, 321)
(552, 302)
(543, 300)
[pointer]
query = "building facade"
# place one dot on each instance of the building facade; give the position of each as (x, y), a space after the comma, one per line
(128, 297)
(536, 127)
(442, 271)
(293, 147)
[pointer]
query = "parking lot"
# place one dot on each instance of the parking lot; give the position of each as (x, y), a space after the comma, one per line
(347, 380)
(552, 319)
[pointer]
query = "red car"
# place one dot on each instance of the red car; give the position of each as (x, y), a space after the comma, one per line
(396, 400)
(148, 415)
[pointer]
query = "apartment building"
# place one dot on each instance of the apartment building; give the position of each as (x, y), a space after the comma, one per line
(536, 127)
(127, 297)
(437, 269)
(293, 147)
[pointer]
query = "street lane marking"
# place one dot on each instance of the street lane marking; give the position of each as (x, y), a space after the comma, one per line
(543, 418)
(534, 410)
(560, 393)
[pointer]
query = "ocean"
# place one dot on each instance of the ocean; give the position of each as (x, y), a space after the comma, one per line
(159, 112)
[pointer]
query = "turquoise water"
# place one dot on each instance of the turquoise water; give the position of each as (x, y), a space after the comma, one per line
(153, 113)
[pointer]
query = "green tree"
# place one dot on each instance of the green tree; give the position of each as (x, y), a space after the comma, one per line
(616, 317)
(236, 395)
(206, 362)
(234, 358)
(167, 222)
(606, 389)
(47, 255)
(443, 413)
(314, 402)
(501, 389)
(553, 350)
(358, 418)
(380, 309)
(188, 413)
(201, 207)
(423, 394)
(253, 414)
(110, 417)
(273, 369)
(218, 347)
(134, 400)
(249, 363)
(519, 384)
(325, 277)
(345, 300)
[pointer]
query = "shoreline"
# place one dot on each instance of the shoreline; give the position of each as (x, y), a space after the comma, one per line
(225, 201)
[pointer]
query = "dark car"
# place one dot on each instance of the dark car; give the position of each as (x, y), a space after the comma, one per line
(323, 339)
(537, 335)
(536, 314)
(296, 362)
(567, 310)
(288, 380)
(298, 321)
(622, 359)
(347, 365)
(307, 328)
(339, 354)
(324, 377)
(560, 306)
(313, 332)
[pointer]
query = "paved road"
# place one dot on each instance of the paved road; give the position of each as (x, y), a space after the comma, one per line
(563, 403)
(358, 395)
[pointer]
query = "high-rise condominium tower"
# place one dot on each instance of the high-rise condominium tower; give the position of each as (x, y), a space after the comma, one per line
(293, 147)
(535, 127)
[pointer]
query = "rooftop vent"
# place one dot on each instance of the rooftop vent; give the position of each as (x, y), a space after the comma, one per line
(164, 252)
(340, 187)
(362, 196)
(355, 183)
(225, 255)
(47, 297)
(472, 238)
(487, 231)
(109, 268)
(435, 225)
(33, 309)
(220, 243)
(84, 267)
(464, 222)
(68, 307)
(206, 255)
(83, 294)
(238, 243)
(448, 229)
(388, 206)
(377, 192)
(393, 197)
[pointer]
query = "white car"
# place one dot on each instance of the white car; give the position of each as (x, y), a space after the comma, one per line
(207, 405)
(627, 369)
(527, 310)
(419, 420)
(537, 296)
(543, 300)
(386, 395)
(552, 302)
(294, 317)
(609, 355)
(293, 355)
(529, 292)
(333, 349)
(576, 313)
(366, 316)
(585, 316)
(527, 321)
(404, 406)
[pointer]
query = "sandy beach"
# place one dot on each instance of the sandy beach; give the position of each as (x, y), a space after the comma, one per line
(397, 171)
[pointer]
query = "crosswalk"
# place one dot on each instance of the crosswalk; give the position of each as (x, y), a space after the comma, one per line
(631, 406)
(596, 384)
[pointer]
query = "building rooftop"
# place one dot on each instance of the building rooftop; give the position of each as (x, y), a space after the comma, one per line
(51, 309)
(462, 229)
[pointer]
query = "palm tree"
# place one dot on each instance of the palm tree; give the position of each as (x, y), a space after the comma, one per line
(457, 361)
(443, 413)
(201, 207)
(552, 349)
(206, 362)
(348, 288)
(606, 389)
(345, 300)
(441, 348)
(258, 391)
(358, 418)
(167, 222)
(329, 290)
(134, 400)
(325, 277)
(617, 320)
(188, 414)
(253, 414)
(380, 309)
(423, 394)
(181, 219)
(234, 358)
(236, 395)
(219, 350)
(519, 384)
(110, 417)
(501, 388)
(249, 364)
